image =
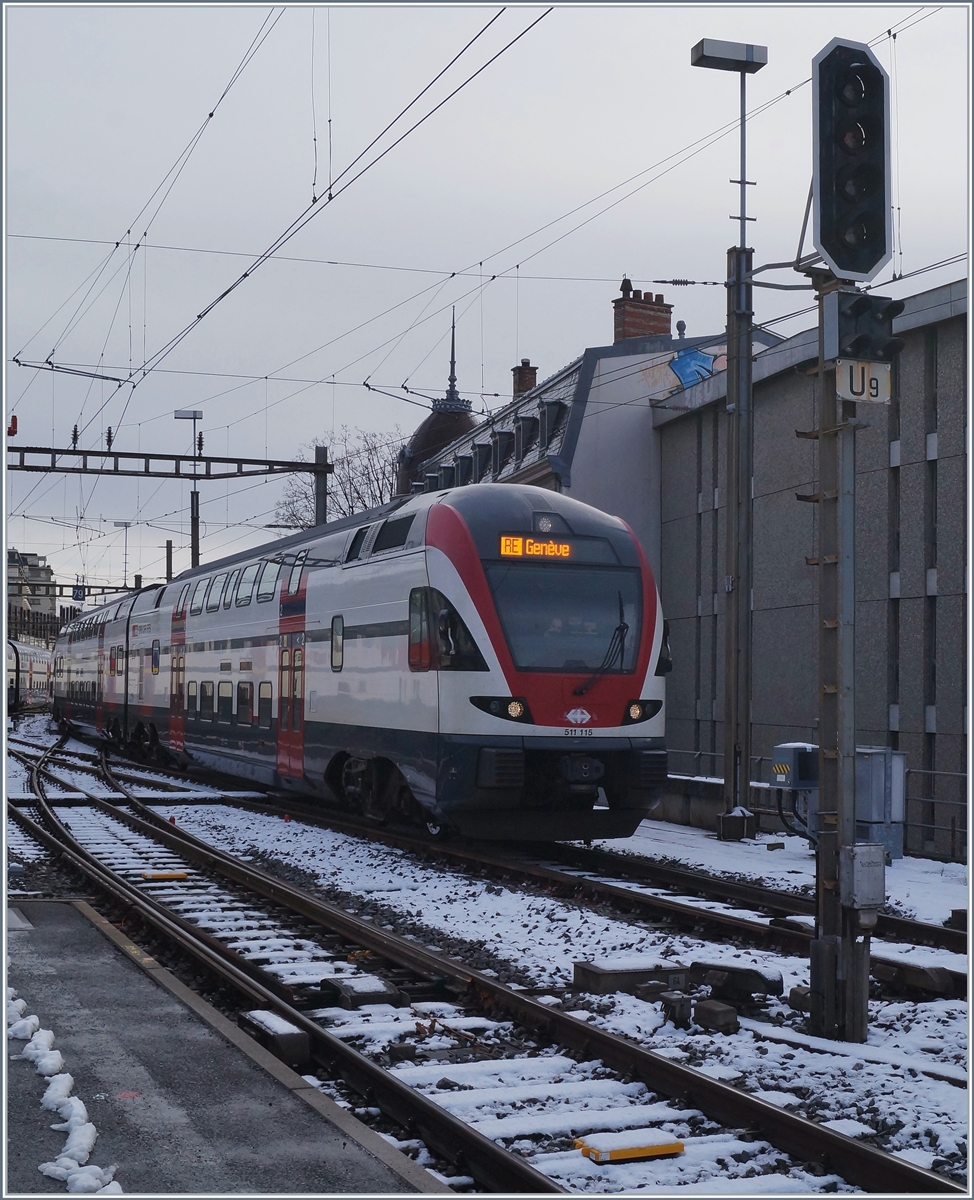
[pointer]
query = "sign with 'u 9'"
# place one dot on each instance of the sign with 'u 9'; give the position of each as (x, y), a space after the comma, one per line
(856, 379)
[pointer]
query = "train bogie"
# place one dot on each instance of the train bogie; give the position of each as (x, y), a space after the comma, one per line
(489, 659)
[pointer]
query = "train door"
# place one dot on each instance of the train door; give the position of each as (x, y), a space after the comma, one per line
(177, 673)
(290, 722)
(291, 669)
(100, 678)
(13, 678)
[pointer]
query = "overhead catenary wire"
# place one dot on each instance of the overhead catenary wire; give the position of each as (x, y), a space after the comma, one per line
(311, 211)
(172, 175)
(775, 319)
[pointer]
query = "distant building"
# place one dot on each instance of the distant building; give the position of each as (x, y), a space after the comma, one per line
(30, 583)
(638, 429)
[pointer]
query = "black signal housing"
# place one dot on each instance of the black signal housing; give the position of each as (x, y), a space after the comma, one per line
(851, 173)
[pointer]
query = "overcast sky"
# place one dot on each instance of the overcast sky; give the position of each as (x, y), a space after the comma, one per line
(490, 205)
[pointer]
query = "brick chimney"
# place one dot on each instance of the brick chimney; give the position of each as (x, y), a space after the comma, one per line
(636, 315)
(525, 377)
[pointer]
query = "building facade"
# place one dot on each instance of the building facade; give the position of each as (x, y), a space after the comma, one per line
(30, 583)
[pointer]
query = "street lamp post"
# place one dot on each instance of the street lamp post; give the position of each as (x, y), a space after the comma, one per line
(194, 415)
(745, 59)
(125, 553)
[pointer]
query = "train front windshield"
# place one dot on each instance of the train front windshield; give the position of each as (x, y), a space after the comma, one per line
(560, 617)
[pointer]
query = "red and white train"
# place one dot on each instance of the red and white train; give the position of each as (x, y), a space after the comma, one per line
(486, 658)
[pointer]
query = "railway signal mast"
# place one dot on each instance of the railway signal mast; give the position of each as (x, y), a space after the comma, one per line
(852, 231)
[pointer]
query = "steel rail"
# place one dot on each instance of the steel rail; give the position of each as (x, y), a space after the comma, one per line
(776, 933)
(866, 1166)
(775, 903)
(792, 939)
(494, 1168)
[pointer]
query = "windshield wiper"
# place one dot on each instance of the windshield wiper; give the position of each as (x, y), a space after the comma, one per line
(617, 645)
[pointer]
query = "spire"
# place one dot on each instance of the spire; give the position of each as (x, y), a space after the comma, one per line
(452, 401)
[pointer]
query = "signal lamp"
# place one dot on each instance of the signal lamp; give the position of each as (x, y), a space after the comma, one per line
(857, 325)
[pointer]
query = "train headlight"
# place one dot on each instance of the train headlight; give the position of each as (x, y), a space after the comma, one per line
(508, 708)
(641, 710)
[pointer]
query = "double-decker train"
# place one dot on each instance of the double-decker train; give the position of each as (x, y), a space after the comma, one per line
(488, 659)
(29, 677)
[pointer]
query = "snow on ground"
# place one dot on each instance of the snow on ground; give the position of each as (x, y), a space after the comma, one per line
(542, 937)
(915, 887)
(71, 1166)
(18, 779)
(21, 846)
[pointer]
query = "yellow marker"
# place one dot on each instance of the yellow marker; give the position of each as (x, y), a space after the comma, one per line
(164, 876)
(628, 1146)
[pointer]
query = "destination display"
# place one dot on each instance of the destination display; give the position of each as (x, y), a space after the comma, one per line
(514, 546)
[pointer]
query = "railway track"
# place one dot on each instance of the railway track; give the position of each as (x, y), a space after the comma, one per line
(593, 866)
(725, 909)
(498, 1047)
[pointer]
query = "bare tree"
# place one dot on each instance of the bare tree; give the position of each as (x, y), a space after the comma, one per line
(366, 466)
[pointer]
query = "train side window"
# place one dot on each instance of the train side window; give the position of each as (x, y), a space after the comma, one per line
(224, 702)
(214, 593)
(228, 594)
(294, 581)
(206, 701)
(245, 703)
(119, 660)
(264, 698)
(420, 649)
(268, 581)
(455, 648)
(337, 643)
(197, 604)
(355, 549)
(393, 534)
(181, 605)
(245, 588)
(111, 661)
(191, 698)
(155, 657)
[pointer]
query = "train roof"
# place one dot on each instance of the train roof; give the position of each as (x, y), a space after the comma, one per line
(507, 503)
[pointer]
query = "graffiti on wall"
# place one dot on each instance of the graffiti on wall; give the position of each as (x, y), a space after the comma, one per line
(674, 371)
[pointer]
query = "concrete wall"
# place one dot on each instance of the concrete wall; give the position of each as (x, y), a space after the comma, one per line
(616, 461)
(911, 614)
